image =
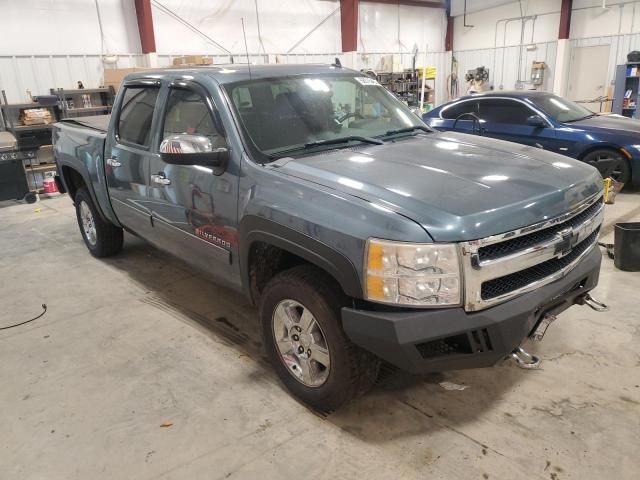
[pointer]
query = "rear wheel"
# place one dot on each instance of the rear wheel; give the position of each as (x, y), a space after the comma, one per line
(101, 237)
(300, 315)
(610, 163)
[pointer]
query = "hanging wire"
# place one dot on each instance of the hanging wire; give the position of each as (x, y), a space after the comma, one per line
(102, 42)
(194, 29)
(259, 33)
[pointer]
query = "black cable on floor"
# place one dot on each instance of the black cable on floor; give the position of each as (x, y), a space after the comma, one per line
(44, 310)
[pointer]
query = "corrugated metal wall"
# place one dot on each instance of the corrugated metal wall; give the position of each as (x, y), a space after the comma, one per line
(41, 73)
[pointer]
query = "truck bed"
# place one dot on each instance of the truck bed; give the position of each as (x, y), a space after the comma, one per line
(95, 122)
(79, 145)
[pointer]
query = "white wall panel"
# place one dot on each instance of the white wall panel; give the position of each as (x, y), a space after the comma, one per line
(503, 64)
(282, 24)
(496, 26)
(400, 28)
(37, 27)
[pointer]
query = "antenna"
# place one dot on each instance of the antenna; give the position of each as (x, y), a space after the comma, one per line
(246, 49)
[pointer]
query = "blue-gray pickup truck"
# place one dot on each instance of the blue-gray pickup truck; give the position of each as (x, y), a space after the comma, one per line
(362, 235)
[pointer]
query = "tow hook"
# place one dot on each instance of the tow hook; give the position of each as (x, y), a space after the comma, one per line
(592, 302)
(541, 329)
(525, 360)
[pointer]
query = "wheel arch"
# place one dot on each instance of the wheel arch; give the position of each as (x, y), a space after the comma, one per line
(73, 180)
(601, 146)
(289, 247)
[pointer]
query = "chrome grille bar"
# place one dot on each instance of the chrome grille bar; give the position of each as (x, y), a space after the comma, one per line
(564, 237)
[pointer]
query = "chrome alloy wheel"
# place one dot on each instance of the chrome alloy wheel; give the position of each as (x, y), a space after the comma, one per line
(301, 343)
(88, 223)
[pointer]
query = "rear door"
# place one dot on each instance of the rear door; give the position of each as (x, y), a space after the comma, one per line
(194, 209)
(506, 119)
(128, 153)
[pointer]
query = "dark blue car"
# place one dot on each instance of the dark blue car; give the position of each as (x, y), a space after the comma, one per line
(611, 143)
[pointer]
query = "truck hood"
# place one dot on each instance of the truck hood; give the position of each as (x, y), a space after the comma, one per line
(458, 187)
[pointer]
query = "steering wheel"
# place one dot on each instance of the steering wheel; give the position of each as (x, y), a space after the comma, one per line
(350, 115)
(475, 119)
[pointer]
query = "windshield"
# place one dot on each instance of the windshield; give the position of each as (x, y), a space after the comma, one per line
(288, 114)
(561, 109)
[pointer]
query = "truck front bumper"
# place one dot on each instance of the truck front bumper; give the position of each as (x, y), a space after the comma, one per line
(451, 339)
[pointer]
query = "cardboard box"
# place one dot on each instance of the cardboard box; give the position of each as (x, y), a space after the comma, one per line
(36, 116)
(113, 76)
(192, 60)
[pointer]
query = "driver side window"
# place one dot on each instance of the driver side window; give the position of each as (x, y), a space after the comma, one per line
(504, 111)
(187, 113)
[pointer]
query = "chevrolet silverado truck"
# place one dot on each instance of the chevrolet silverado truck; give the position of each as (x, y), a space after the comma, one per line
(361, 235)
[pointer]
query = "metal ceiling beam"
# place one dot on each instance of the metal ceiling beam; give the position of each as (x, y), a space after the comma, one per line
(145, 26)
(565, 19)
(349, 25)
(411, 3)
(448, 37)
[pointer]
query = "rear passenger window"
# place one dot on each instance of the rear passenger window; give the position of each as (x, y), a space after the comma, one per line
(136, 113)
(454, 111)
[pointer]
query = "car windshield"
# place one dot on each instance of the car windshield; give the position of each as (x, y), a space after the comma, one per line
(290, 115)
(561, 109)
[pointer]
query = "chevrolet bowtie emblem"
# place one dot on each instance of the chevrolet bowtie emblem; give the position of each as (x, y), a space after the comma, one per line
(568, 239)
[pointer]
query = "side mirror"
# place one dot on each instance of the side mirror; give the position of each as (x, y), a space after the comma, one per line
(536, 121)
(184, 149)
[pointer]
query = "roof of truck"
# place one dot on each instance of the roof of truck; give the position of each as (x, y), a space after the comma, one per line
(235, 72)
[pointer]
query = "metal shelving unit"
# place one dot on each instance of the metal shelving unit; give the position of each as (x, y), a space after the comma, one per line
(626, 90)
(11, 114)
(85, 101)
(30, 138)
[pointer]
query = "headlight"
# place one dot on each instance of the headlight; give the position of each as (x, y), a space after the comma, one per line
(412, 273)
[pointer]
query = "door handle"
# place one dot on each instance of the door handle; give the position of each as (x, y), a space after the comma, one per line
(160, 178)
(113, 162)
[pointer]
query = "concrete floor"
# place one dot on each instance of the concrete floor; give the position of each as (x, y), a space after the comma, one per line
(85, 389)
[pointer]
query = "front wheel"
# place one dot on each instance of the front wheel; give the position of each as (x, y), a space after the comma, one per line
(101, 237)
(610, 163)
(300, 315)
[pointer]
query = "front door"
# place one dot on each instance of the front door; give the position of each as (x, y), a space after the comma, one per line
(128, 156)
(506, 119)
(194, 209)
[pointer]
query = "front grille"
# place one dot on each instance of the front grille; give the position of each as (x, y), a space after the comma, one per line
(499, 286)
(514, 245)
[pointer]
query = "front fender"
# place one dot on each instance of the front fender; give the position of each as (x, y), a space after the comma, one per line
(257, 229)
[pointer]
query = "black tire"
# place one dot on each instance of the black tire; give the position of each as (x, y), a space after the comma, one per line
(108, 238)
(618, 169)
(352, 371)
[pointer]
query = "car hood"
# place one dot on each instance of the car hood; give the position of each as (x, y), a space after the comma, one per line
(609, 121)
(458, 187)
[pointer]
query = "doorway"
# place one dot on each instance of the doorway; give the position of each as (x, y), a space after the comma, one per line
(588, 74)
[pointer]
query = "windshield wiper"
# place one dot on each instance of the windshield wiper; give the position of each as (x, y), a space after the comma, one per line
(582, 118)
(329, 141)
(350, 138)
(408, 130)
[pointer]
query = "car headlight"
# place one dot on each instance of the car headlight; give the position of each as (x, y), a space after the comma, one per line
(418, 274)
